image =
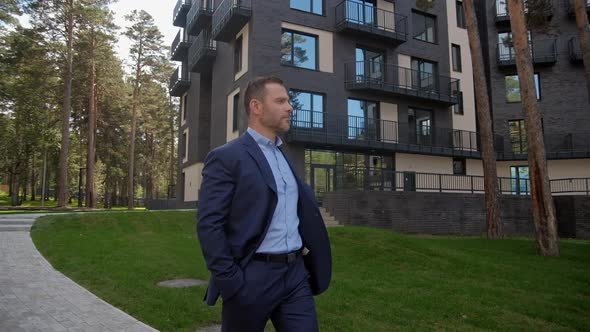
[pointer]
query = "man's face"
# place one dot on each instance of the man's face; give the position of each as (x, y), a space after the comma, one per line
(276, 109)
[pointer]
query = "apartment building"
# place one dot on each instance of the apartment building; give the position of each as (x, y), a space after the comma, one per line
(382, 90)
(560, 86)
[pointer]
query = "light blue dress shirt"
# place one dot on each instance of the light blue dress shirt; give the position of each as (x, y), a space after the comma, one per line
(283, 233)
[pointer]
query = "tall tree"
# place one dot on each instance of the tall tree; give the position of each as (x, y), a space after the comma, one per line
(146, 47)
(583, 36)
(542, 202)
(494, 225)
(57, 19)
(97, 30)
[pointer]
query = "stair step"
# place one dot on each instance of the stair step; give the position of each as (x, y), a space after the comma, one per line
(15, 228)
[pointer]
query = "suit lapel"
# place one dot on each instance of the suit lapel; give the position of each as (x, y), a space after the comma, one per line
(254, 150)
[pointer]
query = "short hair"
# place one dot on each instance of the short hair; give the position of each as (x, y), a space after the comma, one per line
(257, 89)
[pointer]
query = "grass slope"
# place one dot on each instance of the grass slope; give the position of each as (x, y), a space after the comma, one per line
(382, 281)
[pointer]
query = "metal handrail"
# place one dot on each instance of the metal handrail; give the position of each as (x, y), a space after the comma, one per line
(225, 9)
(370, 16)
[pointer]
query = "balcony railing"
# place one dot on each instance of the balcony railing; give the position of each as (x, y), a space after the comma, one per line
(502, 16)
(379, 179)
(543, 52)
(179, 83)
(400, 81)
(229, 18)
(575, 52)
(203, 52)
(557, 146)
(179, 48)
(569, 7)
(199, 16)
(353, 131)
(371, 21)
(180, 10)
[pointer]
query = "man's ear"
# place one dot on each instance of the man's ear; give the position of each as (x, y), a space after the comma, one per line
(255, 106)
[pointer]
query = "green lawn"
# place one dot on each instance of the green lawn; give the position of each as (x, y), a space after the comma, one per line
(382, 281)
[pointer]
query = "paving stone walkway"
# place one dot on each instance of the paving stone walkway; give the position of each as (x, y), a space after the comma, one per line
(36, 297)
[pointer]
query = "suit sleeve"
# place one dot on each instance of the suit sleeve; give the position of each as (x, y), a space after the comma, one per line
(215, 197)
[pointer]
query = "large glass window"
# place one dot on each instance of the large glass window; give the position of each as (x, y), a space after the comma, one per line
(310, 6)
(518, 139)
(520, 183)
(424, 74)
(308, 109)
(299, 49)
(369, 65)
(513, 88)
(361, 11)
(424, 26)
(363, 119)
(421, 126)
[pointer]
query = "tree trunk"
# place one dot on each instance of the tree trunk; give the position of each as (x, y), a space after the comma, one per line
(171, 181)
(63, 185)
(493, 222)
(33, 180)
(130, 186)
(91, 149)
(542, 201)
(15, 190)
(584, 36)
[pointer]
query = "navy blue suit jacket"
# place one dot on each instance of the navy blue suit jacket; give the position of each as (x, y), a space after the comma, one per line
(237, 200)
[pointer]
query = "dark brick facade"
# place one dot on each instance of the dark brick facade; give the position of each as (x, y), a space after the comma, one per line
(564, 99)
(435, 213)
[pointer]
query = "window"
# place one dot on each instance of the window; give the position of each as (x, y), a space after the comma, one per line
(460, 14)
(363, 119)
(458, 108)
(183, 106)
(424, 75)
(369, 65)
(456, 57)
(299, 50)
(308, 109)
(235, 110)
(506, 50)
(519, 180)
(238, 55)
(361, 11)
(513, 88)
(518, 139)
(421, 125)
(310, 6)
(184, 146)
(459, 166)
(424, 27)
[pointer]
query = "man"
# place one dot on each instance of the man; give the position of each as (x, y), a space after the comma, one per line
(260, 229)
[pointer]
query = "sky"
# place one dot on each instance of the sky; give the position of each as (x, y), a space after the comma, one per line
(161, 11)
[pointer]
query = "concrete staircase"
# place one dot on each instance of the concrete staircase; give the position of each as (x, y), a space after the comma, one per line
(329, 220)
(17, 222)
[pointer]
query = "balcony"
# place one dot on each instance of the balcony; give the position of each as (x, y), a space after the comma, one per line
(199, 16)
(574, 51)
(180, 10)
(323, 130)
(229, 18)
(202, 53)
(378, 77)
(179, 83)
(369, 21)
(179, 48)
(569, 7)
(557, 146)
(502, 16)
(543, 52)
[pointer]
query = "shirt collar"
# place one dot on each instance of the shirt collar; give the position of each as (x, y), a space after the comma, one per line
(262, 140)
